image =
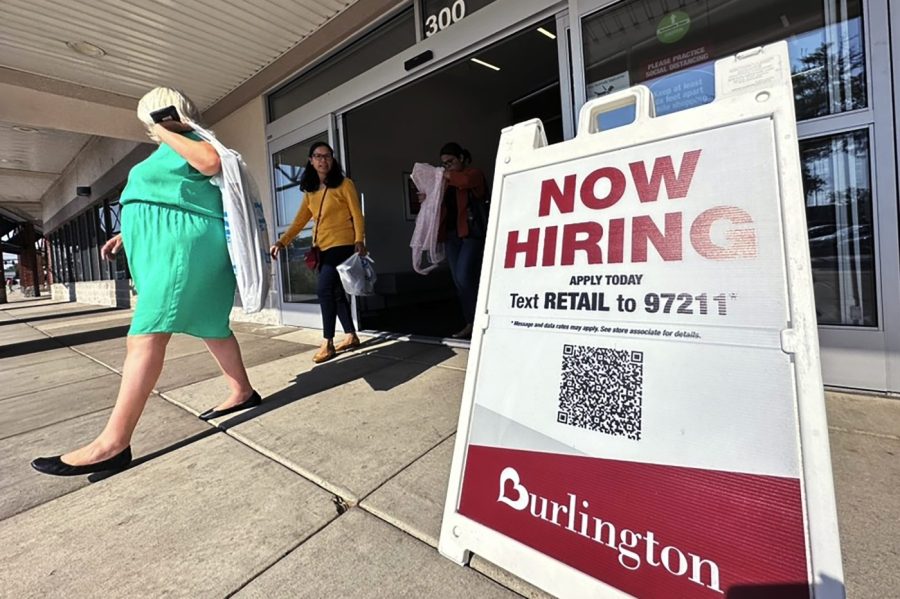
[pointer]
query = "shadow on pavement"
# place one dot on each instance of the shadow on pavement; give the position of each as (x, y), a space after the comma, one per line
(14, 304)
(377, 367)
(828, 587)
(98, 476)
(39, 345)
(26, 320)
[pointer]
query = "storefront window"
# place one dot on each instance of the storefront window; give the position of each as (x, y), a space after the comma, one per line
(386, 41)
(88, 249)
(94, 244)
(438, 15)
(114, 210)
(65, 256)
(75, 246)
(298, 283)
(287, 167)
(115, 217)
(837, 181)
(671, 47)
(65, 266)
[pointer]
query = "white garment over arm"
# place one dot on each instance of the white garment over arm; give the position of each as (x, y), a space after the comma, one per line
(426, 249)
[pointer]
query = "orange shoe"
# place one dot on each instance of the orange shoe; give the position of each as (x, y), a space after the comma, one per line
(351, 342)
(324, 354)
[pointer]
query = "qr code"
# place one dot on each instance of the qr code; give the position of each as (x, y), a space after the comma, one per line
(601, 390)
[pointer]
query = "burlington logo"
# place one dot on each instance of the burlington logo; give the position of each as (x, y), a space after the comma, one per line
(635, 549)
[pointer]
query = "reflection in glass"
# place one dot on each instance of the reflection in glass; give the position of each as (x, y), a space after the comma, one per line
(837, 183)
(115, 217)
(94, 243)
(76, 249)
(82, 222)
(101, 223)
(617, 117)
(387, 40)
(102, 236)
(115, 220)
(298, 282)
(672, 50)
(287, 187)
(828, 64)
(121, 265)
(288, 166)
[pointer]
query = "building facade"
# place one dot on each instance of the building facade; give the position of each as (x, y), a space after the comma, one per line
(398, 80)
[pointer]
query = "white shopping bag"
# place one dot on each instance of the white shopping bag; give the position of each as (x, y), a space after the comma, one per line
(245, 224)
(358, 275)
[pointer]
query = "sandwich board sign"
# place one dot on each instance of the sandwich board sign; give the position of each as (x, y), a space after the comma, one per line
(643, 411)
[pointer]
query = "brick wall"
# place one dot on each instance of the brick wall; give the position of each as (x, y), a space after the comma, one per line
(121, 294)
(97, 293)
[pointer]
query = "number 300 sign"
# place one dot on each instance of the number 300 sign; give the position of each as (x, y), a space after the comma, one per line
(445, 17)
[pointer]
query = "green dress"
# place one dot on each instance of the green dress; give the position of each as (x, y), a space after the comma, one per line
(173, 230)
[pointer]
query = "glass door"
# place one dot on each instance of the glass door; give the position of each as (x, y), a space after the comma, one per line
(518, 78)
(297, 283)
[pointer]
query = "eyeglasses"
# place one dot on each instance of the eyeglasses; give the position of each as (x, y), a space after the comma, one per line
(321, 157)
(449, 163)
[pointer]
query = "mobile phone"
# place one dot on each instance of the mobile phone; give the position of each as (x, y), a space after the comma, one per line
(169, 113)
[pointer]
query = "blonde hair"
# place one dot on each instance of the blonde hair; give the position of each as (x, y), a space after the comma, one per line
(162, 97)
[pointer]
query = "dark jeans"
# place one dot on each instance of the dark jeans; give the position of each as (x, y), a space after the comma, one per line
(464, 257)
(332, 299)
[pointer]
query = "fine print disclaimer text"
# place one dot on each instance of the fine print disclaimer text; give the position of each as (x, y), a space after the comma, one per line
(620, 330)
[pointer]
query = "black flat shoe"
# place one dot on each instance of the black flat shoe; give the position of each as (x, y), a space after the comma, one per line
(56, 467)
(211, 413)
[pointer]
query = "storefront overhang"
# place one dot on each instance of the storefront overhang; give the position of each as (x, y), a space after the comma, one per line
(70, 73)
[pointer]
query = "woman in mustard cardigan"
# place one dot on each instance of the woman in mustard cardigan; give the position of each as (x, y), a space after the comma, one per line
(339, 231)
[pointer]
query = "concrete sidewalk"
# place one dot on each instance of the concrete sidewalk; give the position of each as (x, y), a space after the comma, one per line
(334, 486)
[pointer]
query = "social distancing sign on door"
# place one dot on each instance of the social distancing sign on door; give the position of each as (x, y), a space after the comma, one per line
(643, 410)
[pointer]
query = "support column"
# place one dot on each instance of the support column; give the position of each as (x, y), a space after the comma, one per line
(51, 263)
(29, 266)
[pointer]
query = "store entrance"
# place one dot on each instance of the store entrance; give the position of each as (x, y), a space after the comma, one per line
(468, 102)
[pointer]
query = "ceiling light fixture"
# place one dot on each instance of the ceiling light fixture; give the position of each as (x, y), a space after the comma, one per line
(485, 64)
(22, 129)
(547, 33)
(86, 49)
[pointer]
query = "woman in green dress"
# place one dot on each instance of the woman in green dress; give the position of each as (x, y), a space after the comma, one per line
(173, 232)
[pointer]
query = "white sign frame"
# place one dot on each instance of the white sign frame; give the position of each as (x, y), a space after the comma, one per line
(750, 86)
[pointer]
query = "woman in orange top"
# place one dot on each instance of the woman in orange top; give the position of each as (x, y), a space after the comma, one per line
(463, 226)
(339, 231)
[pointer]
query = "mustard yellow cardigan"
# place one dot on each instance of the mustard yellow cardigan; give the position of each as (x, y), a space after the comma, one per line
(341, 222)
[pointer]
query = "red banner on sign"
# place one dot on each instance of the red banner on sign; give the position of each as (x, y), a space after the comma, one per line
(647, 529)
